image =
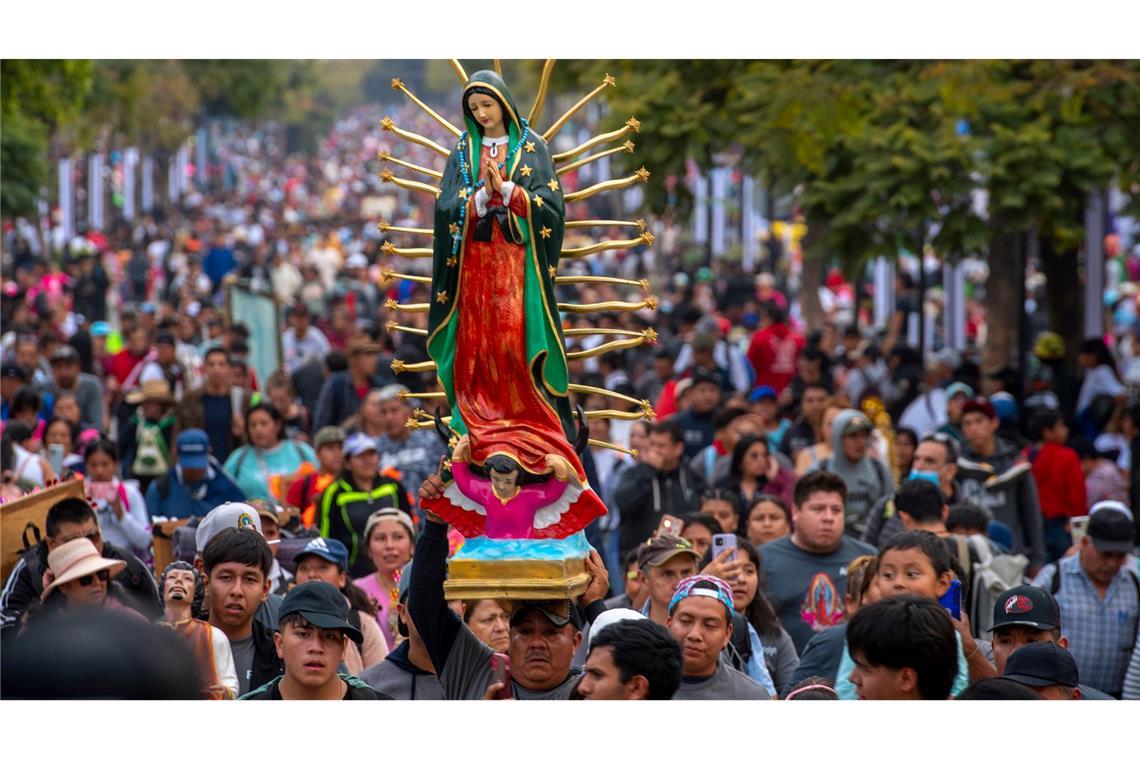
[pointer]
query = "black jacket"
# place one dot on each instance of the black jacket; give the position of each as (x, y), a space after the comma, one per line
(644, 494)
(337, 400)
(266, 664)
(25, 585)
(357, 689)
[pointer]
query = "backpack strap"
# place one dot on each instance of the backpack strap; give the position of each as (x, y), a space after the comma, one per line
(1055, 586)
(36, 537)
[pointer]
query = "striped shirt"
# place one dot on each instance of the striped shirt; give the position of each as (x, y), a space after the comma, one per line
(1101, 632)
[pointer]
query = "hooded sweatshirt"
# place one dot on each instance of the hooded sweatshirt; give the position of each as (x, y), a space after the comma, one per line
(1004, 487)
(867, 480)
(400, 679)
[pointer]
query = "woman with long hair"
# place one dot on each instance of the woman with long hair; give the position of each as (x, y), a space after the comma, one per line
(267, 455)
(742, 571)
(120, 506)
(754, 472)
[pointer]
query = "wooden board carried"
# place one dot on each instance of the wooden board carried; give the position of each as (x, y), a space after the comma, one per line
(162, 542)
(27, 515)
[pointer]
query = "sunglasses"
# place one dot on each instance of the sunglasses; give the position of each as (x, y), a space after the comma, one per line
(102, 575)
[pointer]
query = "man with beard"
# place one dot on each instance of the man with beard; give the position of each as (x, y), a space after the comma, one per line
(543, 637)
(182, 596)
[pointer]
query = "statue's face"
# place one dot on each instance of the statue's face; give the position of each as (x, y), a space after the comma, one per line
(504, 483)
(487, 112)
(179, 586)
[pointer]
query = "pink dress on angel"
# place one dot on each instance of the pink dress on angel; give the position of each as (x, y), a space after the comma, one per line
(471, 506)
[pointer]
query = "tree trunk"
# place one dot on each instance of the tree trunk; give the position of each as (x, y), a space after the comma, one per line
(1063, 295)
(1003, 296)
(813, 275)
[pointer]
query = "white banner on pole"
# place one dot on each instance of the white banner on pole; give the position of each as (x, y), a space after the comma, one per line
(66, 199)
(147, 200)
(201, 159)
(95, 191)
(172, 178)
(130, 161)
(700, 210)
(750, 244)
(720, 178)
(884, 278)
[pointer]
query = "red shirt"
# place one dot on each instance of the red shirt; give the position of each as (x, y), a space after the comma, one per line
(123, 363)
(773, 354)
(1060, 481)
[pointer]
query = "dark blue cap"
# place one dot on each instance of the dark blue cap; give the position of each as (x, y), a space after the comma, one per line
(328, 549)
(193, 449)
(761, 393)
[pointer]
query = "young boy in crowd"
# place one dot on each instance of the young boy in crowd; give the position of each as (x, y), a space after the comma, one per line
(313, 631)
(903, 648)
(700, 619)
(919, 563)
(631, 659)
(236, 565)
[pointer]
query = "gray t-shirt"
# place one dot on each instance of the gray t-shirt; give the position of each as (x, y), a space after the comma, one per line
(243, 662)
(388, 678)
(808, 588)
(467, 673)
(725, 683)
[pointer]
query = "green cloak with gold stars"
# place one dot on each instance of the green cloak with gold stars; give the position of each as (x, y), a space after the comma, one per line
(538, 232)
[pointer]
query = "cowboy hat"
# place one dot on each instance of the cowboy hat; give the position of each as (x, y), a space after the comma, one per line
(152, 390)
(76, 559)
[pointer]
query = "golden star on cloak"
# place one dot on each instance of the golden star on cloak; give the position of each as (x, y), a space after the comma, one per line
(553, 185)
(545, 232)
(526, 171)
(442, 297)
(538, 201)
(552, 270)
(452, 261)
(453, 229)
(530, 147)
(463, 193)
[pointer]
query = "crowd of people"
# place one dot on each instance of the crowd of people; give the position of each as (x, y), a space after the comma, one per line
(819, 515)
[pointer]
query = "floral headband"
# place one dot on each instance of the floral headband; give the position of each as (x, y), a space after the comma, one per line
(688, 587)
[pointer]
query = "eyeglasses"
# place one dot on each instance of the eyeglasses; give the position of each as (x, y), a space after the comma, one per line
(102, 575)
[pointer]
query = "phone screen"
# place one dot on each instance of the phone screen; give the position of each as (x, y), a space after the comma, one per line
(951, 601)
(501, 673)
(722, 542)
(670, 526)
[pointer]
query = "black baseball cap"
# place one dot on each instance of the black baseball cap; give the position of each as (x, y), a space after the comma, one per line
(14, 371)
(702, 375)
(323, 605)
(558, 611)
(1042, 663)
(1027, 605)
(165, 338)
(64, 353)
(1110, 530)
